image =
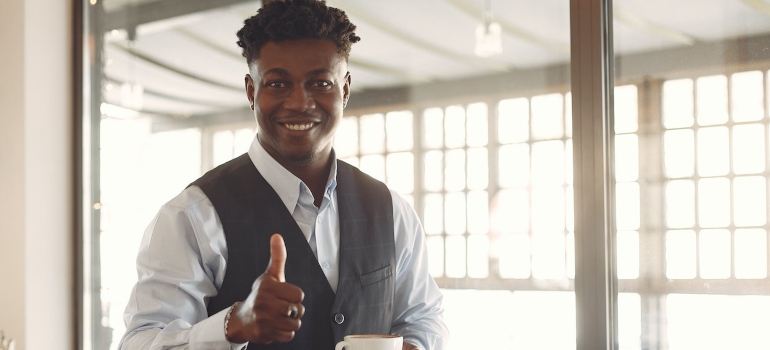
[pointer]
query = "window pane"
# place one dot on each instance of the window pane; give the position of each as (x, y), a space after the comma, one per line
(747, 96)
(478, 131)
(400, 167)
(478, 169)
(513, 120)
(679, 153)
(374, 165)
(712, 100)
(454, 172)
(713, 151)
(433, 126)
(628, 254)
(454, 124)
(478, 212)
(680, 254)
(750, 253)
(714, 253)
(750, 202)
(433, 214)
(372, 133)
(678, 103)
(547, 116)
(548, 163)
(432, 170)
(626, 109)
(680, 204)
(514, 255)
(627, 206)
(513, 165)
(455, 215)
(626, 158)
(748, 149)
(511, 211)
(346, 138)
(399, 129)
(714, 202)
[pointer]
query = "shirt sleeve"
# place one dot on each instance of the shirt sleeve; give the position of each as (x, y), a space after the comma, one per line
(418, 310)
(181, 265)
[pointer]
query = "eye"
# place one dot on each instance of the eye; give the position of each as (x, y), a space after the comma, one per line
(276, 84)
(322, 84)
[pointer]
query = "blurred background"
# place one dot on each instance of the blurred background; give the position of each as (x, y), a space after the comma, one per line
(464, 107)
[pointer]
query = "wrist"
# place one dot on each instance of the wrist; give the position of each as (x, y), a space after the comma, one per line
(233, 325)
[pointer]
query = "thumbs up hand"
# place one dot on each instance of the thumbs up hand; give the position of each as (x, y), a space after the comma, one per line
(265, 315)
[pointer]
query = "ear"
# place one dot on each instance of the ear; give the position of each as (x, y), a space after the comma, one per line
(346, 90)
(250, 90)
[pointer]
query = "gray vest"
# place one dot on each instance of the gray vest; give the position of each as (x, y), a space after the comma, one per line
(251, 211)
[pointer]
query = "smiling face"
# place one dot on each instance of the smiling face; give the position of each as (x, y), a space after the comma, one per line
(297, 90)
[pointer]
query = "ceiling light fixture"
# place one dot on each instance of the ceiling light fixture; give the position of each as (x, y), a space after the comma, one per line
(489, 40)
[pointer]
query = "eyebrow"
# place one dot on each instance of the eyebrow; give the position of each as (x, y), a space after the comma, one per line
(283, 72)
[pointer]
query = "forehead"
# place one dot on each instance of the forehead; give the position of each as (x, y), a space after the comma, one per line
(300, 57)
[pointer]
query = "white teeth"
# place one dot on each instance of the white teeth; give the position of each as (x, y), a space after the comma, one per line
(299, 127)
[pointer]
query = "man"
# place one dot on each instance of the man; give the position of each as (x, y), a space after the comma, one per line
(349, 256)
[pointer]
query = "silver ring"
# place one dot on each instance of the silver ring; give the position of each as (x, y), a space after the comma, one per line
(292, 312)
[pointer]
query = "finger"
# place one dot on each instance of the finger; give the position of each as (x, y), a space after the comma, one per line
(277, 258)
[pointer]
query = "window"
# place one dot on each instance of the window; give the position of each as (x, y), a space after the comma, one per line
(482, 147)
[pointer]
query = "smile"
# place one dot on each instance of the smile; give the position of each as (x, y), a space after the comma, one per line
(299, 127)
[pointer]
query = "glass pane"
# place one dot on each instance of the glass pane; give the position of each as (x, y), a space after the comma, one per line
(433, 126)
(346, 138)
(750, 205)
(680, 204)
(626, 109)
(747, 97)
(454, 126)
(548, 163)
(627, 206)
(750, 253)
(626, 158)
(702, 142)
(478, 169)
(547, 116)
(628, 254)
(513, 120)
(748, 149)
(478, 141)
(400, 168)
(398, 126)
(432, 171)
(680, 254)
(679, 153)
(714, 253)
(714, 202)
(454, 171)
(478, 131)
(514, 161)
(372, 133)
(678, 103)
(712, 100)
(713, 151)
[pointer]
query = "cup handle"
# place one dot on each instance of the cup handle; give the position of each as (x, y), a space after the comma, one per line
(341, 345)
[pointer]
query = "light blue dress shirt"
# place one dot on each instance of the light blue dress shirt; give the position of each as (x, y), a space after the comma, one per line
(183, 258)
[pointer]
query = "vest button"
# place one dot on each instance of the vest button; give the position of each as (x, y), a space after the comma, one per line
(339, 318)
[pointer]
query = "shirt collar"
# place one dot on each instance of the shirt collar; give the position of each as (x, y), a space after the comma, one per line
(285, 184)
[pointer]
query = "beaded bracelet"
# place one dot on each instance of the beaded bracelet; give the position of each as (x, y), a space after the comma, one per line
(227, 317)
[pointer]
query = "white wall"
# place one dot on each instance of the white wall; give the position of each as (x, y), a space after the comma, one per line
(36, 238)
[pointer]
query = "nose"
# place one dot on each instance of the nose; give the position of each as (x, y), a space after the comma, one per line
(299, 99)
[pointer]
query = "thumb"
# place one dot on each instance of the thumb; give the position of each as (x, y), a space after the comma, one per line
(277, 258)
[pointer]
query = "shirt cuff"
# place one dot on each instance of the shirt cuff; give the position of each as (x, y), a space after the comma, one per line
(210, 334)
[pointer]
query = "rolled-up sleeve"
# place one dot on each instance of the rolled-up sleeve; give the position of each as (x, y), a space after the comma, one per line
(418, 310)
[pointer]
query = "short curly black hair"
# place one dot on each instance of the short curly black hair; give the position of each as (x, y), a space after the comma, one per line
(296, 19)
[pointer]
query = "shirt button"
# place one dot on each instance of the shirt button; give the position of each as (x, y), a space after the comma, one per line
(327, 265)
(339, 318)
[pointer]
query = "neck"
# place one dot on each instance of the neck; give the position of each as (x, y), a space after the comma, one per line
(314, 175)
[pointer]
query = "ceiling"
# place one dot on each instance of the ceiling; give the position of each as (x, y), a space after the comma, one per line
(188, 63)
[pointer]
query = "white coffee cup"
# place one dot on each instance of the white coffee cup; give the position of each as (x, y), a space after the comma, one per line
(371, 342)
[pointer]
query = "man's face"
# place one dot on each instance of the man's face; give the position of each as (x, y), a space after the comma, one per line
(297, 91)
